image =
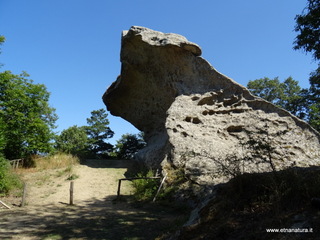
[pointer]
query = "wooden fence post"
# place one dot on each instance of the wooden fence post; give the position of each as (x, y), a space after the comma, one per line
(71, 193)
(24, 195)
(119, 185)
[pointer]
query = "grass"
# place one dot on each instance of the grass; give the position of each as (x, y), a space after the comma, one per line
(58, 160)
(61, 162)
(72, 177)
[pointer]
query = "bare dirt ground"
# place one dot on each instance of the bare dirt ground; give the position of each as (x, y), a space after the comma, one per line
(96, 214)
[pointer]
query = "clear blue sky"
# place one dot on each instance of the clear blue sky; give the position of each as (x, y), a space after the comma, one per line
(73, 46)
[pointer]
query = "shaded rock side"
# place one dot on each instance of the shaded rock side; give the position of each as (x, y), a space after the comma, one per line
(196, 118)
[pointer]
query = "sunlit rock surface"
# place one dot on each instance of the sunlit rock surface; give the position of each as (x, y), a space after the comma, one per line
(197, 119)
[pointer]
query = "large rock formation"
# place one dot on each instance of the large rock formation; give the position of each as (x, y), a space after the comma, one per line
(198, 120)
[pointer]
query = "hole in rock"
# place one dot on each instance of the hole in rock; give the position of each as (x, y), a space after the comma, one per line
(210, 112)
(238, 110)
(230, 101)
(195, 98)
(188, 119)
(163, 41)
(207, 101)
(234, 129)
(185, 134)
(196, 120)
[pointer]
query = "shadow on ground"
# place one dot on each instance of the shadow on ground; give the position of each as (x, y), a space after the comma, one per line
(133, 167)
(106, 163)
(108, 219)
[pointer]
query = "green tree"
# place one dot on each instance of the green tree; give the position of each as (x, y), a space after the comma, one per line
(28, 120)
(128, 145)
(293, 98)
(2, 137)
(2, 40)
(268, 89)
(308, 26)
(287, 94)
(308, 39)
(98, 132)
(73, 140)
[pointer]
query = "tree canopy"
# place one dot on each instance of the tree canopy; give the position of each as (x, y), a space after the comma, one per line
(73, 140)
(287, 94)
(308, 28)
(308, 39)
(98, 132)
(128, 145)
(90, 140)
(28, 120)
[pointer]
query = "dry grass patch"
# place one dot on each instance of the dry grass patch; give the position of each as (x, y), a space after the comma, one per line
(58, 160)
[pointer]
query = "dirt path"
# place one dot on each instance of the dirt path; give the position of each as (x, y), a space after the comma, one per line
(94, 215)
(94, 180)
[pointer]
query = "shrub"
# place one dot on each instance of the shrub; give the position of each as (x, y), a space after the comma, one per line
(173, 184)
(8, 180)
(145, 189)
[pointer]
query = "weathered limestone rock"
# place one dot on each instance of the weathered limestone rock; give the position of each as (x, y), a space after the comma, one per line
(199, 120)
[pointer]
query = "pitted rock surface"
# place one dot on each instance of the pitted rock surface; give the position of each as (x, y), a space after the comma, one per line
(199, 120)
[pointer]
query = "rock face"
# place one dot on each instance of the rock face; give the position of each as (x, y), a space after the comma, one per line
(198, 120)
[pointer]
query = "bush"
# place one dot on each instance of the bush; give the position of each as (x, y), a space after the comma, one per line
(8, 180)
(145, 189)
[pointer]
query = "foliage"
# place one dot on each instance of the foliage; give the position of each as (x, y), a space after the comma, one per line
(2, 40)
(307, 26)
(73, 177)
(87, 141)
(314, 99)
(314, 116)
(308, 39)
(287, 94)
(145, 189)
(2, 136)
(98, 131)
(28, 119)
(128, 145)
(268, 89)
(8, 180)
(73, 140)
(175, 179)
